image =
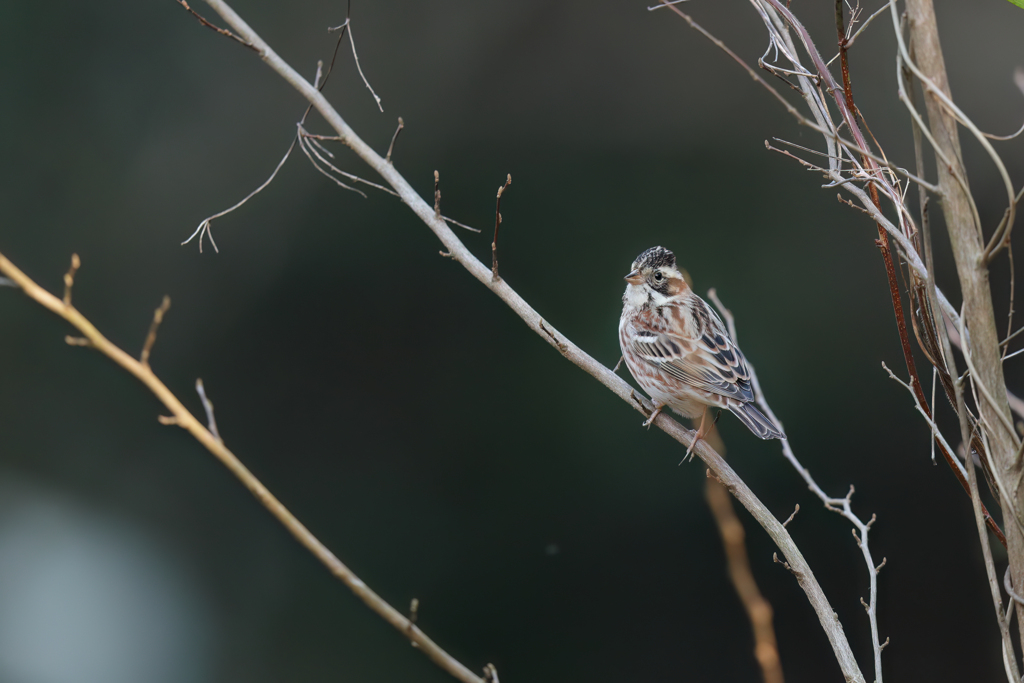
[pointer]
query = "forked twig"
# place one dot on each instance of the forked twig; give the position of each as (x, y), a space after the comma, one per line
(359, 67)
(205, 227)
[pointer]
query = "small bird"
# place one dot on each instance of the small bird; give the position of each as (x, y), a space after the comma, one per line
(679, 351)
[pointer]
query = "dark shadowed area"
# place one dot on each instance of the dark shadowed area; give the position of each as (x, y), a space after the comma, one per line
(429, 438)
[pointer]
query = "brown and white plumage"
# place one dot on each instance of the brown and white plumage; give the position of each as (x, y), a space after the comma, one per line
(678, 349)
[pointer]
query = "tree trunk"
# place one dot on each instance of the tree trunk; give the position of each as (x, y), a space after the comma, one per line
(968, 246)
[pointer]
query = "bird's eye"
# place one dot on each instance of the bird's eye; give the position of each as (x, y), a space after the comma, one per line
(657, 276)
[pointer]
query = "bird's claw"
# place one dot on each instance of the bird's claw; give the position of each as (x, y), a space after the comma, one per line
(650, 420)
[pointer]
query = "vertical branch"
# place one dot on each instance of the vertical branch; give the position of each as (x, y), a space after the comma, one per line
(968, 252)
(883, 238)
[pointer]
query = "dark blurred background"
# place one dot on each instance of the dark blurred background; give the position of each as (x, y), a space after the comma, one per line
(408, 417)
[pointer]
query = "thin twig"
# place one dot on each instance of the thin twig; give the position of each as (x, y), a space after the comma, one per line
(391, 147)
(205, 227)
(211, 422)
(312, 148)
(69, 278)
(497, 224)
(158, 317)
(461, 225)
(352, 41)
(222, 31)
(437, 196)
(790, 518)
(849, 43)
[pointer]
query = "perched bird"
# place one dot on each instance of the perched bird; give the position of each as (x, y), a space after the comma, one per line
(679, 351)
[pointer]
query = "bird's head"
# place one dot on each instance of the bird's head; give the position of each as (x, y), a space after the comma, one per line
(654, 278)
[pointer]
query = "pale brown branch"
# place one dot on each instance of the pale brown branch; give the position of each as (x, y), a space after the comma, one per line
(181, 416)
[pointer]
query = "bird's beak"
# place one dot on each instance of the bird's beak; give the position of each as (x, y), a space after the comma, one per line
(634, 278)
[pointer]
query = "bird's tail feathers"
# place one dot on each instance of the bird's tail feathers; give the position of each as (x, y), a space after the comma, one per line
(756, 422)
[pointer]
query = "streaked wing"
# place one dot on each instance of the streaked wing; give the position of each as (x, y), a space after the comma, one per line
(700, 354)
